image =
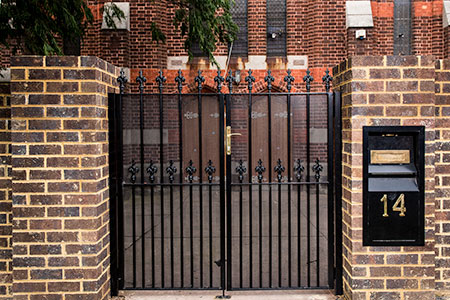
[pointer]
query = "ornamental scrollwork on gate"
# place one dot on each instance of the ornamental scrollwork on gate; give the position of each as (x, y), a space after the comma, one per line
(133, 169)
(190, 169)
(171, 169)
(151, 170)
(260, 169)
(299, 169)
(241, 169)
(317, 168)
(210, 170)
(279, 169)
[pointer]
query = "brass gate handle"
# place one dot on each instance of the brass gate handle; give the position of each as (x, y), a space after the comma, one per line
(229, 135)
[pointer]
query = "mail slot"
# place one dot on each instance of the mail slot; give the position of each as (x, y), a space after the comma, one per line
(393, 185)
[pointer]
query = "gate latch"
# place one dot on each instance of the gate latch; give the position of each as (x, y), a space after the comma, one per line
(229, 135)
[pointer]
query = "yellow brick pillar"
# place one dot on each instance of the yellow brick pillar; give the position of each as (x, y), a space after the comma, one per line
(60, 177)
(379, 91)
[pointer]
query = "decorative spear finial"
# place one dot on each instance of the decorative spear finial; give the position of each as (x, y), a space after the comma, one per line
(260, 169)
(308, 79)
(269, 79)
(279, 169)
(141, 80)
(151, 170)
(190, 169)
(180, 80)
(299, 169)
(230, 80)
(219, 79)
(160, 80)
(241, 169)
(133, 169)
(327, 80)
(289, 79)
(210, 170)
(122, 79)
(317, 168)
(250, 79)
(171, 169)
(199, 79)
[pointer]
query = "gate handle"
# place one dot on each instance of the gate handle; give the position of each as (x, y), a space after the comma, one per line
(229, 135)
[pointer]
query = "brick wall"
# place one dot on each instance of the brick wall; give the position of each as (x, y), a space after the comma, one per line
(60, 177)
(314, 28)
(442, 177)
(5, 194)
(386, 90)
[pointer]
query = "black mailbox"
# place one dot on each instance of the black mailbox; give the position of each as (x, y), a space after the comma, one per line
(393, 185)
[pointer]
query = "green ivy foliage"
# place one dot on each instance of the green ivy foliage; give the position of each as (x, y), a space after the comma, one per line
(202, 22)
(37, 26)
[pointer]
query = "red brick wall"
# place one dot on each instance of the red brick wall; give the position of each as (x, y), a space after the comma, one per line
(60, 177)
(314, 28)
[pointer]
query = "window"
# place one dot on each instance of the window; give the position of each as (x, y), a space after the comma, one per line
(402, 27)
(196, 51)
(239, 14)
(276, 27)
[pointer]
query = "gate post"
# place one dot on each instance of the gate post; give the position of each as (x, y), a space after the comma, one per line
(379, 91)
(60, 191)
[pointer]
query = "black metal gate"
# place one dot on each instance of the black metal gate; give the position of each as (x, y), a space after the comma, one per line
(225, 190)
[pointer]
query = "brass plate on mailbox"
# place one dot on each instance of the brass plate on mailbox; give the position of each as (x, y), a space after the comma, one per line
(389, 157)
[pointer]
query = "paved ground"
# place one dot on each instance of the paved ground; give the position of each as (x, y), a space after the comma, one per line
(248, 295)
(241, 260)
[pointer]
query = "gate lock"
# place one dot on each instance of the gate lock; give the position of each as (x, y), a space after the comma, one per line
(229, 135)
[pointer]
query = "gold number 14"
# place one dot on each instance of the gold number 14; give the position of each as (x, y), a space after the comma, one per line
(400, 201)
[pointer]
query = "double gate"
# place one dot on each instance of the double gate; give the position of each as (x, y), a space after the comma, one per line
(225, 190)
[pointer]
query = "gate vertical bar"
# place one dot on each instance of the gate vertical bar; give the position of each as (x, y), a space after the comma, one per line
(160, 80)
(171, 169)
(191, 170)
(269, 112)
(229, 257)
(338, 192)
(141, 79)
(119, 162)
(180, 80)
(222, 264)
(279, 169)
(152, 170)
(269, 79)
(317, 168)
(250, 79)
(133, 169)
(330, 134)
(200, 79)
(289, 188)
(308, 79)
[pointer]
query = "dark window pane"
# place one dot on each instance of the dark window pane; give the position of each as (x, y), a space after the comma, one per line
(196, 51)
(402, 27)
(276, 27)
(239, 14)
(72, 46)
